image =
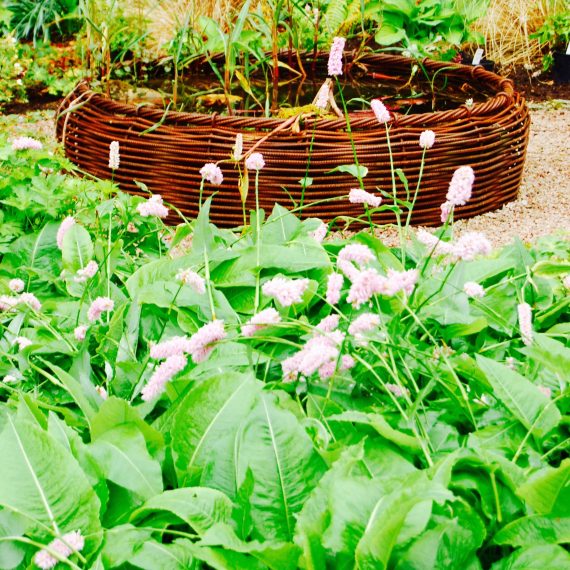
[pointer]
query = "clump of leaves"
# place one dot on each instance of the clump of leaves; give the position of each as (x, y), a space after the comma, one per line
(445, 443)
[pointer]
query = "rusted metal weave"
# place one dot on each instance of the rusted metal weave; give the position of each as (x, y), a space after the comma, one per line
(166, 151)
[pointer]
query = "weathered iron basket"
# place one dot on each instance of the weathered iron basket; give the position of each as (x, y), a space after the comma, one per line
(165, 151)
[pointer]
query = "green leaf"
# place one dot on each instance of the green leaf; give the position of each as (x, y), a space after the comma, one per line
(156, 556)
(11, 552)
(535, 558)
(549, 353)
(41, 480)
(121, 542)
(535, 529)
(379, 424)
(548, 490)
(124, 459)
(77, 250)
(274, 446)
(204, 430)
(387, 520)
(199, 507)
(551, 268)
(356, 170)
(524, 400)
(388, 35)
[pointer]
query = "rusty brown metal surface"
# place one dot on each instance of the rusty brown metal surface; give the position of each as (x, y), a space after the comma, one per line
(491, 137)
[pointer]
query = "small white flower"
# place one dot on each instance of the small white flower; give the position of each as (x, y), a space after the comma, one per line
(114, 156)
(427, 138)
(16, 285)
(80, 332)
(9, 379)
(255, 161)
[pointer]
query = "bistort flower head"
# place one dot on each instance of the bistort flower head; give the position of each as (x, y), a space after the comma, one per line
(335, 56)
(323, 95)
(335, 282)
(87, 272)
(24, 143)
(30, 300)
(16, 285)
(446, 209)
(261, 320)
(238, 147)
(114, 156)
(203, 341)
(381, 113)
(329, 324)
(174, 345)
(153, 207)
(461, 185)
(80, 332)
(286, 292)
(364, 323)
(427, 139)
(255, 161)
(524, 311)
(320, 233)
(192, 279)
(162, 375)
(64, 227)
(99, 306)
(212, 173)
(473, 290)
(359, 196)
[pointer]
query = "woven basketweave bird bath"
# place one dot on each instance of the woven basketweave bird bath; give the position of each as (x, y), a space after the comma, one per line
(165, 151)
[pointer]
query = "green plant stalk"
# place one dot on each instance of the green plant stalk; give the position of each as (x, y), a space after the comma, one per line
(411, 209)
(258, 244)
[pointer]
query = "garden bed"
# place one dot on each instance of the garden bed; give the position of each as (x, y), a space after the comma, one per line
(165, 151)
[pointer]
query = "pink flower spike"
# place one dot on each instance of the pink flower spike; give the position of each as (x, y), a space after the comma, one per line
(30, 300)
(357, 252)
(22, 342)
(44, 560)
(64, 227)
(238, 147)
(114, 156)
(470, 245)
(359, 196)
(446, 209)
(175, 345)
(323, 95)
(380, 112)
(347, 362)
(162, 375)
(398, 391)
(320, 233)
(366, 284)
(8, 302)
(433, 243)
(87, 272)
(286, 292)
(524, 311)
(335, 282)
(473, 290)
(24, 143)
(99, 306)
(329, 324)
(203, 341)
(153, 207)
(16, 285)
(212, 173)
(255, 161)
(74, 541)
(80, 332)
(260, 321)
(427, 139)
(335, 56)
(461, 186)
(192, 279)
(364, 323)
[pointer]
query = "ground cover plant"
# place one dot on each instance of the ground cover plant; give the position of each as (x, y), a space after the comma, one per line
(194, 397)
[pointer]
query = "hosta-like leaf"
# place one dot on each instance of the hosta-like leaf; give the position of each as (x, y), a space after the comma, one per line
(156, 556)
(285, 467)
(535, 558)
(204, 430)
(535, 529)
(199, 507)
(522, 398)
(41, 480)
(124, 459)
(550, 353)
(77, 250)
(548, 490)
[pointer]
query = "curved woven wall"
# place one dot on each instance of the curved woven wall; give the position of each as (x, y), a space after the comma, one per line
(491, 137)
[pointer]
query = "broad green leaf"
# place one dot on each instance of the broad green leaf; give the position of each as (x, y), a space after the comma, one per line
(379, 424)
(274, 446)
(121, 542)
(535, 529)
(153, 555)
(388, 35)
(387, 520)
(204, 430)
(199, 507)
(551, 268)
(535, 558)
(550, 353)
(548, 490)
(11, 552)
(356, 170)
(524, 400)
(124, 460)
(77, 250)
(41, 480)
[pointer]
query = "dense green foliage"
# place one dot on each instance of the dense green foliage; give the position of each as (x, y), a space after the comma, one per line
(444, 446)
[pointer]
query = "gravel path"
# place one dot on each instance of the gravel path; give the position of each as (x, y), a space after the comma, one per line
(543, 205)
